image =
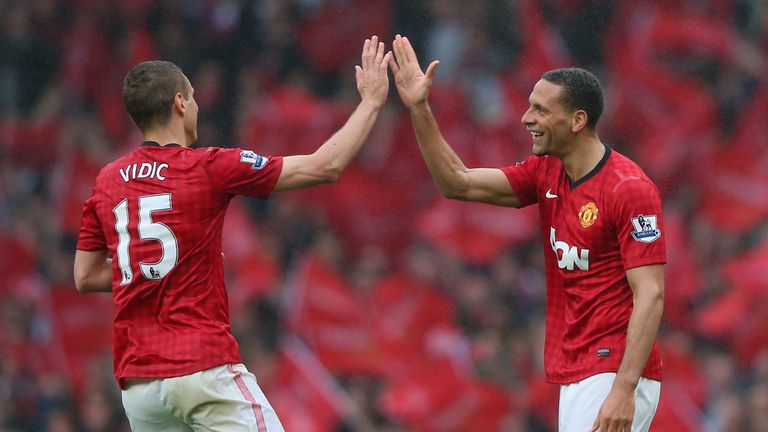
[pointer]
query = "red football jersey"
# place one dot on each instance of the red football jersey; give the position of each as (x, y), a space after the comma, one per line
(593, 230)
(160, 211)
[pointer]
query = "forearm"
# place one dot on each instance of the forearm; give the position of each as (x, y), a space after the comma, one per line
(641, 335)
(443, 163)
(335, 155)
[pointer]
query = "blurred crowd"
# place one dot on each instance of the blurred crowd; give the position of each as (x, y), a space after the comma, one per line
(374, 304)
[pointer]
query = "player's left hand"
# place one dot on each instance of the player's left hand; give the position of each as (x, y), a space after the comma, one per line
(371, 74)
(617, 412)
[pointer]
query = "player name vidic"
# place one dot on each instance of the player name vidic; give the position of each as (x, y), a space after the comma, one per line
(143, 170)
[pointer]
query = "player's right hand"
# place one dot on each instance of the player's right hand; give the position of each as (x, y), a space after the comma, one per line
(412, 84)
(371, 74)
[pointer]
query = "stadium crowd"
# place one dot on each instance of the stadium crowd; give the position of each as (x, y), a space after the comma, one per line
(375, 304)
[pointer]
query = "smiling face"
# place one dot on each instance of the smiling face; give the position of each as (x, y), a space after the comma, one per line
(549, 122)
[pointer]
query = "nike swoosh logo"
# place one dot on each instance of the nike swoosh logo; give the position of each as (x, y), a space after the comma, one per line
(549, 194)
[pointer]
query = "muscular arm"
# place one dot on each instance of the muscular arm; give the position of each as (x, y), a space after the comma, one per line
(454, 180)
(93, 272)
(326, 164)
(452, 177)
(647, 283)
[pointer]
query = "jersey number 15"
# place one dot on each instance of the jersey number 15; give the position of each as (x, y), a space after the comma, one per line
(148, 230)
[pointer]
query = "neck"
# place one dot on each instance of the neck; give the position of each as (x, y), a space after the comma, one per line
(167, 135)
(583, 158)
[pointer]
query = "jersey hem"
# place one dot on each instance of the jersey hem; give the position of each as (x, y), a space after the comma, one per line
(123, 378)
(582, 376)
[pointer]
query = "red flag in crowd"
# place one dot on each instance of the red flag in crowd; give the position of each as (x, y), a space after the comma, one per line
(464, 230)
(304, 394)
(326, 312)
(740, 314)
(436, 397)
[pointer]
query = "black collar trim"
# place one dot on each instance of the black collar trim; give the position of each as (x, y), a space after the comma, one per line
(594, 171)
(156, 144)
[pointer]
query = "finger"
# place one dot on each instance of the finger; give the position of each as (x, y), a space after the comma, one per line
(385, 61)
(596, 424)
(410, 54)
(397, 47)
(365, 58)
(393, 63)
(373, 47)
(431, 69)
(379, 54)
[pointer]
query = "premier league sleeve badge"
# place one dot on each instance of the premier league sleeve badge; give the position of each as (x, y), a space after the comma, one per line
(646, 228)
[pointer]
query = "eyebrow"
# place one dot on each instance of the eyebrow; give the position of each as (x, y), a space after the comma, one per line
(539, 106)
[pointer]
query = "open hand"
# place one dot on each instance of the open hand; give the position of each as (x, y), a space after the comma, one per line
(412, 84)
(371, 75)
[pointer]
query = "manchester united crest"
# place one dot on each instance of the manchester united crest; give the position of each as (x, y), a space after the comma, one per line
(588, 215)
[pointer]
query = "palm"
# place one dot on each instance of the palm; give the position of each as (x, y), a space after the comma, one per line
(371, 75)
(412, 84)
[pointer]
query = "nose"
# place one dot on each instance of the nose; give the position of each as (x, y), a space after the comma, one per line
(526, 118)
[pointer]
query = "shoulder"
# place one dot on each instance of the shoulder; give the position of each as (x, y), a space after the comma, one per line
(630, 192)
(113, 167)
(211, 154)
(626, 177)
(534, 163)
(238, 157)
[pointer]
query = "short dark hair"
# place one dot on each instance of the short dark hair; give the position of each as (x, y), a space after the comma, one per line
(581, 91)
(149, 90)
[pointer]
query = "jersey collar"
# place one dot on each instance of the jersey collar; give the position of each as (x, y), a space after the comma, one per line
(156, 144)
(595, 170)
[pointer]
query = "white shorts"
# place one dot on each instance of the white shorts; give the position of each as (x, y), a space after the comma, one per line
(580, 402)
(223, 398)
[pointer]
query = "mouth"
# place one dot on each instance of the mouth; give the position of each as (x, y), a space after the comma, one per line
(536, 134)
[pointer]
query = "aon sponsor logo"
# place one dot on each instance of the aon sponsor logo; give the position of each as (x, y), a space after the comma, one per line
(568, 257)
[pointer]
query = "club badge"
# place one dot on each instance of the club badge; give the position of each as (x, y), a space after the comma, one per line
(588, 215)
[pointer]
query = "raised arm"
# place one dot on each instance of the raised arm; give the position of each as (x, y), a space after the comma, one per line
(647, 283)
(327, 163)
(452, 177)
(93, 272)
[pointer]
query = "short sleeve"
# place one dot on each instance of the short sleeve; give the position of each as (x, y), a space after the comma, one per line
(91, 236)
(639, 223)
(242, 172)
(523, 178)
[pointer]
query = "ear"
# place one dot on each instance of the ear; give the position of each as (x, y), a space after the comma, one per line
(579, 121)
(179, 104)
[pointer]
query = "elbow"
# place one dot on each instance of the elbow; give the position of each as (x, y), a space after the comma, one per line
(332, 174)
(329, 173)
(454, 191)
(653, 297)
(452, 194)
(657, 293)
(81, 285)
(80, 279)
(659, 298)
(323, 169)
